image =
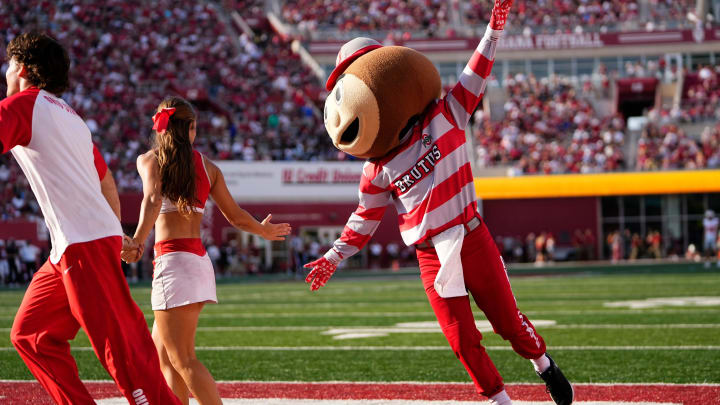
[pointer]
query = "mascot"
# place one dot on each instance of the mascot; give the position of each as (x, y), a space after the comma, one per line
(384, 106)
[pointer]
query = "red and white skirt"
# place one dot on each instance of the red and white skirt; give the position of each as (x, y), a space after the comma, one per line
(183, 274)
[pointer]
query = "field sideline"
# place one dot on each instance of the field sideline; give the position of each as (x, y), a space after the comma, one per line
(601, 329)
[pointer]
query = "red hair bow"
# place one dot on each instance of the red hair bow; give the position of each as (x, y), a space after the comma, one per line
(161, 119)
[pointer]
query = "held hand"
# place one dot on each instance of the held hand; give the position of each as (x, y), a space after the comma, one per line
(132, 250)
(321, 272)
(274, 231)
(499, 14)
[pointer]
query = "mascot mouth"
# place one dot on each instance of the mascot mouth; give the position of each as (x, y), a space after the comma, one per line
(351, 132)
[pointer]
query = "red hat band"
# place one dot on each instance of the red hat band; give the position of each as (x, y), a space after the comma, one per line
(347, 55)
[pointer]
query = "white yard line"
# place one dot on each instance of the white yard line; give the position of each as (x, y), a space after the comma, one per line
(411, 348)
(636, 326)
(425, 330)
(422, 330)
(431, 315)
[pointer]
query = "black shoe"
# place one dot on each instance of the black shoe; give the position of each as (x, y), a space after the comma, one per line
(556, 384)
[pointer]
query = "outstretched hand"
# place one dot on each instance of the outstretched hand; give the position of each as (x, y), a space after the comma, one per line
(499, 14)
(321, 272)
(274, 231)
(131, 250)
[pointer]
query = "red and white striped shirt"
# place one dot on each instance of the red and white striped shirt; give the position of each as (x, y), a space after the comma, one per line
(428, 178)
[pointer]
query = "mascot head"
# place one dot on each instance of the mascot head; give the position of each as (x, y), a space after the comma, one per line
(376, 93)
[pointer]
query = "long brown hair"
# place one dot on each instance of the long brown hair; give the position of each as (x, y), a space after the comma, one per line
(174, 153)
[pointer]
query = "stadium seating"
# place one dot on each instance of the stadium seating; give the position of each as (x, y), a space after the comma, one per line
(434, 17)
(127, 55)
(669, 147)
(701, 96)
(548, 128)
(392, 15)
(594, 15)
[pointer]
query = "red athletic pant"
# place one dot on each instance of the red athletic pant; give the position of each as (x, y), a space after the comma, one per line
(87, 289)
(486, 279)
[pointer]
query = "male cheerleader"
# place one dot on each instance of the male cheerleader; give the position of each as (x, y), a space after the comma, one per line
(82, 284)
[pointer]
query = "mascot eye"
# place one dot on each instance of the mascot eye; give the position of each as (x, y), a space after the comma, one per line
(325, 112)
(338, 93)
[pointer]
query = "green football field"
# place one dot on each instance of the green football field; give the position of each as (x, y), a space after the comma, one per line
(639, 328)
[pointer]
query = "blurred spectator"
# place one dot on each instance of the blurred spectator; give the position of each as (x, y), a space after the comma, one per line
(710, 236)
(230, 256)
(407, 256)
(578, 242)
(297, 255)
(590, 244)
(530, 252)
(375, 255)
(636, 244)
(29, 255)
(654, 241)
(14, 266)
(692, 254)
(132, 272)
(393, 253)
(615, 244)
(540, 253)
(627, 242)
(250, 257)
(550, 247)
(4, 265)
(213, 252)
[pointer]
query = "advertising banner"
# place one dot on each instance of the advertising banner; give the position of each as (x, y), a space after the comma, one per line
(292, 181)
(556, 41)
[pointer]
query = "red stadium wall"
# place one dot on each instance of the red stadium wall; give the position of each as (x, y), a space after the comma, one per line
(301, 215)
(560, 216)
(516, 217)
(130, 208)
(297, 214)
(21, 230)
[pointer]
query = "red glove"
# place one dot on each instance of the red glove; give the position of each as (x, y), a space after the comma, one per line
(499, 14)
(321, 272)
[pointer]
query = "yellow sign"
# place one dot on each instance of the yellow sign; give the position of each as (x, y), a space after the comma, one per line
(597, 185)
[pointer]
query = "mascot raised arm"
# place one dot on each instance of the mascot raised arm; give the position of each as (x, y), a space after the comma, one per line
(384, 106)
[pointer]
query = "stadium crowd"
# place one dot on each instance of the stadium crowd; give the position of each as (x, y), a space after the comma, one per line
(429, 16)
(702, 95)
(18, 261)
(565, 15)
(127, 55)
(549, 128)
(433, 17)
(668, 147)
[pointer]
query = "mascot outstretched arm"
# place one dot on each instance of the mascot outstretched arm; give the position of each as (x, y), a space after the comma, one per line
(384, 106)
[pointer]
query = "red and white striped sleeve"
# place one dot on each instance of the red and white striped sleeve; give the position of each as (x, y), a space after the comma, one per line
(375, 196)
(461, 101)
